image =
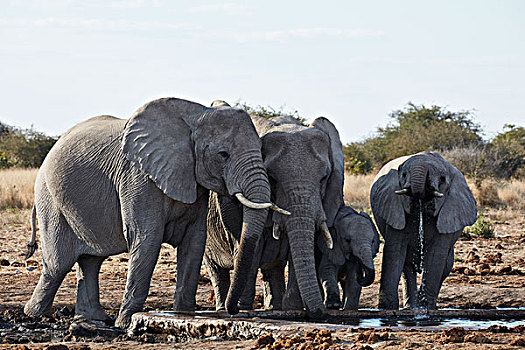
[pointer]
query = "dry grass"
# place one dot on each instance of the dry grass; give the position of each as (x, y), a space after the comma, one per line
(16, 188)
(512, 193)
(491, 193)
(357, 191)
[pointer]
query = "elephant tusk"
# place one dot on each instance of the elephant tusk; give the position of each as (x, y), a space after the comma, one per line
(326, 234)
(403, 191)
(437, 194)
(248, 203)
(280, 210)
(275, 232)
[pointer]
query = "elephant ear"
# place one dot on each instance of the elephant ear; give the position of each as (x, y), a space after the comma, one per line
(458, 207)
(231, 215)
(333, 199)
(385, 203)
(157, 140)
(335, 255)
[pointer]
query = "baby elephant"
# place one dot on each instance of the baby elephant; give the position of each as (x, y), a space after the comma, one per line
(351, 262)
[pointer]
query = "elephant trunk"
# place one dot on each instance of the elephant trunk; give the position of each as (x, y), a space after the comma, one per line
(256, 188)
(365, 276)
(366, 271)
(301, 230)
(418, 180)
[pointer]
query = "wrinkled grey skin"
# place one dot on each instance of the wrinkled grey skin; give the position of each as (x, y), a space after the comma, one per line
(397, 217)
(111, 185)
(351, 261)
(305, 168)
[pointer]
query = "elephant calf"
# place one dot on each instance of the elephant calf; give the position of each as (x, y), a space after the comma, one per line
(351, 261)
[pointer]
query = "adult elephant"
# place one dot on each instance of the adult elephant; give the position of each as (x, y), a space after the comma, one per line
(421, 203)
(305, 168)
(351, 261)
(111, 185)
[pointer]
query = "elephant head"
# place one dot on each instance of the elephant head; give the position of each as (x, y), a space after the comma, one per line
(305, 169)
(428, 178)
(355, 237)
(181, 144)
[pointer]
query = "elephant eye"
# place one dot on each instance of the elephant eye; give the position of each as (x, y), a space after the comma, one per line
(442, 178)
(224, 155)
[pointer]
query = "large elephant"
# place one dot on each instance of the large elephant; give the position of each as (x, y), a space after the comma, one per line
(351, 261)
(421, 203)
(305, 166)
(111, 185)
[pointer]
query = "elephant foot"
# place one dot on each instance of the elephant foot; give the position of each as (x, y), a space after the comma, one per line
(245, 306)
(316, 315)
(96, 314)
(123, 321)
(332, 302)
(36, 310)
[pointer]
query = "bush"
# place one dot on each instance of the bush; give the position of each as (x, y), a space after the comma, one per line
(268, 112)
(25, 148)
(482, 228)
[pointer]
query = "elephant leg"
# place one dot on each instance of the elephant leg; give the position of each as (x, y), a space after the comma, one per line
(220, 280)
(394, 255)
(189, 260)
(274, 286)
(410, 286)
(328, 278)
(436, 262)
(88, 299)
(409, 276)
(143, 257)
(351, 289)
(292, 299)
(448, 265)
(58, 255)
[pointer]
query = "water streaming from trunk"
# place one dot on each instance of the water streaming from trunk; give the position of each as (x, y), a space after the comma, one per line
(421, 235)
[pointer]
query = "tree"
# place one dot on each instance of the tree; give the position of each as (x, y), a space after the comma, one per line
(24, 147)
(415, 129)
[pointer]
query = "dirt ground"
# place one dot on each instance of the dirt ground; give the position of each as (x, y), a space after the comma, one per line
(488, 273)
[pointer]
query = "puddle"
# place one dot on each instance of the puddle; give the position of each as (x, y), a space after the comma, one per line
(429, 322)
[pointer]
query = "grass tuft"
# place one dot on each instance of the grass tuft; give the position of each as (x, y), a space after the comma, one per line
(17, 188)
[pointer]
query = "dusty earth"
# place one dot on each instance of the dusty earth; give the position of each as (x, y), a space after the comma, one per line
(488, 273)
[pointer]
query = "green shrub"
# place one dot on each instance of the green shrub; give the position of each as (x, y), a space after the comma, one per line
(482, 228)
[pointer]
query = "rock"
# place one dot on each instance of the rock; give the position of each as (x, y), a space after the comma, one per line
(472, 257)
(4, 262)
(56, 347)
(477, 338)
(518, 341)
(499, 246)
(453, 335)
(264, 340)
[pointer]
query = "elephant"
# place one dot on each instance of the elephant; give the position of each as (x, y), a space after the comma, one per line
(351, 261)
(421, 203)
(113, 185)
(305, 166)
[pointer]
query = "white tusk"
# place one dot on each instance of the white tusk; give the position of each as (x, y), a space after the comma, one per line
(437, 194)
(275, 232)
(279, 210)
(403, 191)
(327, 236)
(248, 203)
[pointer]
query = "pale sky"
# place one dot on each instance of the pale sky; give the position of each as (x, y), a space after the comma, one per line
(353, 62)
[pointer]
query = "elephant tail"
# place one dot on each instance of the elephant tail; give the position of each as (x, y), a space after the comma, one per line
(32, 245)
